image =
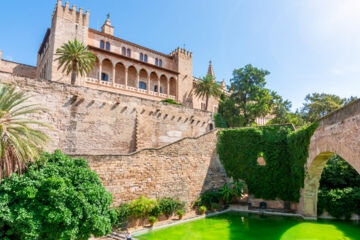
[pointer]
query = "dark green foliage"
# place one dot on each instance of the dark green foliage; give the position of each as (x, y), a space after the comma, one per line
(168, 100)
(169, 206)
(56, 198)
(219, 121)
(122, 214)
(207, 198)
(284, 151)
(339, 202)
(156, 211)
(339, 192)
(338, 173)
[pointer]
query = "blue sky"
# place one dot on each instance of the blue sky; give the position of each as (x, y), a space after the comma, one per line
(307, 45)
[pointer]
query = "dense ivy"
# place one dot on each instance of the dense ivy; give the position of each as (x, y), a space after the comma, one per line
(57, 198)
(284, 150)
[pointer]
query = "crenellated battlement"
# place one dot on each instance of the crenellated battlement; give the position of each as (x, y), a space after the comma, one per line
(181, 51)
(71, 13)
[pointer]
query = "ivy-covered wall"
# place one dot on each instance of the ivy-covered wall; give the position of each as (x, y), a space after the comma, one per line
(285, 152)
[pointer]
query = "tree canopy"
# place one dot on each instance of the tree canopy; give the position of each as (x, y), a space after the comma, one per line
(57, 198)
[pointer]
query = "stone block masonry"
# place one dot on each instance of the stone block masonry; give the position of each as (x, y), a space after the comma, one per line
(90, 121)
(182, 170)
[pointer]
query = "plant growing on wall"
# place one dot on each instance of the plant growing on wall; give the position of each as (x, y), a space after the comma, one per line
(56, 198)
(20, 142)
(284, 150)
(75, 59)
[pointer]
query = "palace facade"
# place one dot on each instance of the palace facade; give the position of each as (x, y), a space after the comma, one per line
(121, 66)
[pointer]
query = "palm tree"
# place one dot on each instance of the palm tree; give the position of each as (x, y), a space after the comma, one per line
(207, 87)
(19, 142)
(75, 58)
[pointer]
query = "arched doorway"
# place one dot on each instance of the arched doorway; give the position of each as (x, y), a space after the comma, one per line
(94, 74)
(163, 84)
(143, 79)
(172, 86)
(132, 76)
(153, 82)
(106, 74)
(120, 73)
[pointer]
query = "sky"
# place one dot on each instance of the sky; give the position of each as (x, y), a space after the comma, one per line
(307, 45)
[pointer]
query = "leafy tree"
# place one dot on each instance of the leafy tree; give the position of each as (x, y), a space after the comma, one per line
(75, 58)
(229, 111)
(57, 198)
(207, 87)
(20, 142)
(219, 121)
(281, 110)
(318, 105)
(250, 96)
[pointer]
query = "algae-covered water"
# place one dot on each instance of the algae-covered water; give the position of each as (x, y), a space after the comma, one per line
(240, 226)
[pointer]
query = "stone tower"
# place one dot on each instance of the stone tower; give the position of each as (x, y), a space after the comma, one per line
(211, 70)
(184, 62)
(66, 25)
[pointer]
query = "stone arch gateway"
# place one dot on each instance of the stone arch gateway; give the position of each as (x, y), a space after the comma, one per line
(337, 133)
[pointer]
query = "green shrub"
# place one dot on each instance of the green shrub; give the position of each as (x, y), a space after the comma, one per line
(202, 209)
(142, 207)
(122, 214)
(207, 198)
(214, 206)
(227, 193)
(339, 192)
(169, 206)
(57, 198)
(168, 100)
(156, 211)
(179, 213)
(339, 202)
(152, 220)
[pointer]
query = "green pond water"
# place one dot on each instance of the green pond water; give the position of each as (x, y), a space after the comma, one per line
(238, 226)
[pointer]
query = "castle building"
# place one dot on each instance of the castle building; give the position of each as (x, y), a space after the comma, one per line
(121, 66)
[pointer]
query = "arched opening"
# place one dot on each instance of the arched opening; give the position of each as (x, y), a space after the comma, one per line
(120, 73)
(95, 72)
(132, 76)
(106, 74)
(107, 46)
(312, 183)
(128, 52)
(172, 86)
(153, 82)
(163, 84)
(102, 44)
(143, 79)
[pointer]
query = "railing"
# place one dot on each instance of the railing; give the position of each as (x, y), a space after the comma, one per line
(122, 86)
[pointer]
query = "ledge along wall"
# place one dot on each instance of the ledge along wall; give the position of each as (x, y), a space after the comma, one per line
(90, 121)
(182, 170)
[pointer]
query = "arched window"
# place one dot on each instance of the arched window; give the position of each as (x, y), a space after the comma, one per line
(107, 46)
(141, 57)
(142, 85)
(160, 63)
(156, 61)
(104, 77)
(123, 51)
(102, 44)
(145, 58)
(128, 52)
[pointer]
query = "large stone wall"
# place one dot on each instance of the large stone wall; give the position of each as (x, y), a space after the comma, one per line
(181, 170)
(17, 69)
(89, 121)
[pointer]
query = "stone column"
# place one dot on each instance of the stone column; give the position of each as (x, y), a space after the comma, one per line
(113, 76)
(126, 78)
(138, 81)
(159, 86)
(148, 85)
(100, 71)
(168, 88)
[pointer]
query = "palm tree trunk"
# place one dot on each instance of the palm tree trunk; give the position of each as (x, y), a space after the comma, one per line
(73, 77)
(207, 102)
